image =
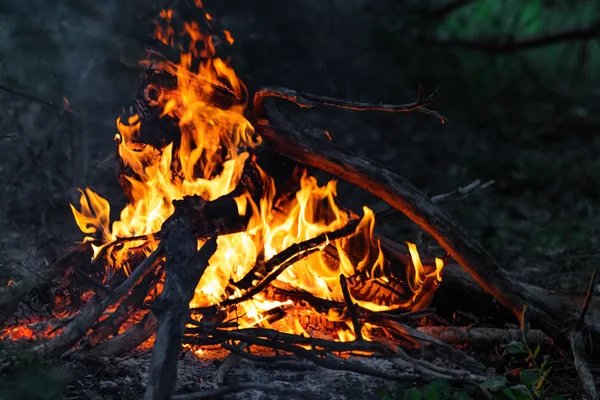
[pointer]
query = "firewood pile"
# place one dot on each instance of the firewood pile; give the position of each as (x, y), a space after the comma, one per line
(228, 241)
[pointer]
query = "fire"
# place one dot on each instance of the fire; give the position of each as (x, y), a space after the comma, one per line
(208, 161)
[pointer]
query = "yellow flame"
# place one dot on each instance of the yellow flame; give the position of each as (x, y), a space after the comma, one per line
(208, 162)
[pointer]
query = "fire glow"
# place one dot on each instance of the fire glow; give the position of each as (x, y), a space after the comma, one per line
(195, 166)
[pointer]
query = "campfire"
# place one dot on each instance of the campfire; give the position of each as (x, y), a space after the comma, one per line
(227, 238)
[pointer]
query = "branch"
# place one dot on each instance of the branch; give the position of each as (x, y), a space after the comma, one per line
(483, 336)
(94, 309)
(578, 348)
(280, 262)
(510, 45)
(308, 100)
(184, 267)
(351, 308)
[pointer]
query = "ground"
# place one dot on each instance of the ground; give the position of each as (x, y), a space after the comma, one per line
(527, 120)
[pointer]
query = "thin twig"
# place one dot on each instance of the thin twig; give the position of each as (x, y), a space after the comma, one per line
(578, 348)
(308, 100)
(228, 363)
(351, 308)
(586, 303)
(280, 262)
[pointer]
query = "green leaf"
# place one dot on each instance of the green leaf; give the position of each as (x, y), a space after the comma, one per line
(413, 394)
(529, 377)
(516, 348)
(436, 389)
(494, 384)
(537, 351)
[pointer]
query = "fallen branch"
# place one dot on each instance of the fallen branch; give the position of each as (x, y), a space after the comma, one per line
(242, 387)
(401, 194)
(228, 363)
(483, 336)
(124, 342)
(12, 295)
(94, 309)
(578, 348)
(184, 267)
(111, 325)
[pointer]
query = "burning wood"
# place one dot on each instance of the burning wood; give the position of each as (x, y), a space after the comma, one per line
(261, 254)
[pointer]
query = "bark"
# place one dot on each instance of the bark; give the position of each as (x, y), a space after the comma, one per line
(184, 268)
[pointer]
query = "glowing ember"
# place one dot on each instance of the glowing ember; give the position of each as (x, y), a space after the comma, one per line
(208, 161)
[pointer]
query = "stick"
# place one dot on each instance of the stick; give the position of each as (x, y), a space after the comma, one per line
(10, 296)
(184, 268)
(483, 336)
(228, 363)
(242, 387)
(401, 194)
(351, 309)
(124, 342)
(280, 262)
(111, 325)
(254, 335)
(308, 100)
(578, 348)
(94, 309)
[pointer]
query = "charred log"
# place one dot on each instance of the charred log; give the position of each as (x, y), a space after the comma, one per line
(184, 268)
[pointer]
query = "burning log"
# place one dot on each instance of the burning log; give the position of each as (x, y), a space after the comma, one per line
(111, 325)
(402, 195)
(94, 309)
(124, 342)
(184, 267)
(13, 294)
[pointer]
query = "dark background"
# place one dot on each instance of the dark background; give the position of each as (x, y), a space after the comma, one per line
(524, 117)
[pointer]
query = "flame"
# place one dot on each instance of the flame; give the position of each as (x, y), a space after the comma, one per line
(208, 161)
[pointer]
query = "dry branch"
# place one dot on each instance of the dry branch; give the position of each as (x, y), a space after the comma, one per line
(484, 336)
(351, 308)
(184, 267)
(308, 100)
(578, 348)
(12, 295)
(280, 262)
(401, 194)
(124, 342)
(94, 309)
(111, 325)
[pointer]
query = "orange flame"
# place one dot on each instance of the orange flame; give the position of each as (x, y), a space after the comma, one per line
(196, 166)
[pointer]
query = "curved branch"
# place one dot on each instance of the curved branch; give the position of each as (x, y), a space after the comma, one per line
(308, 100)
